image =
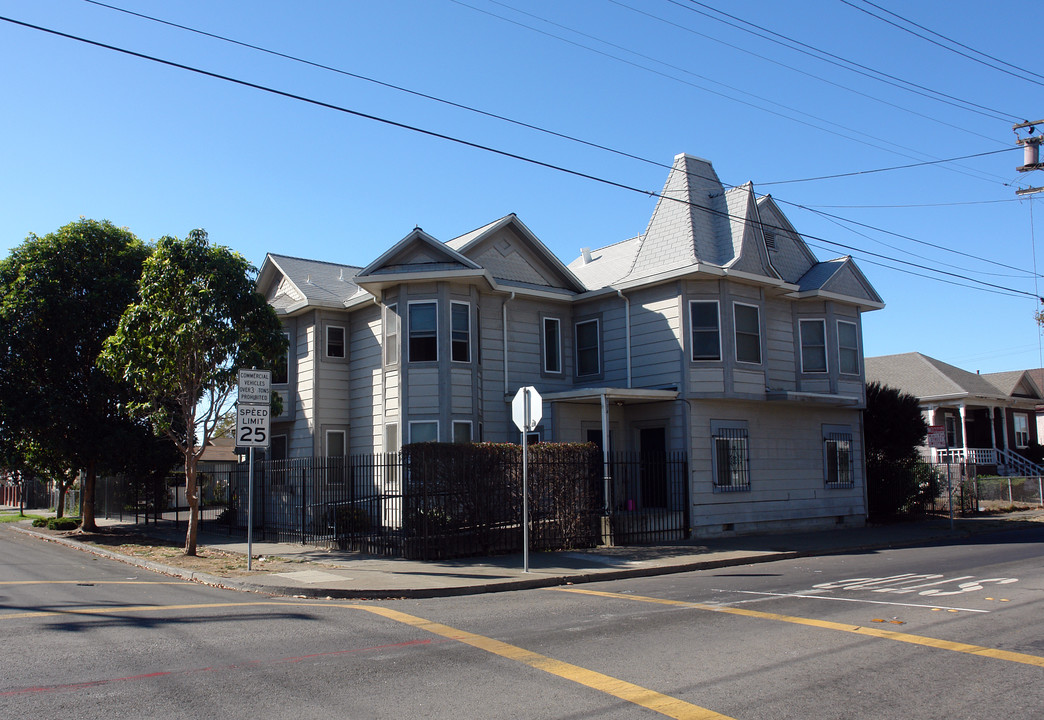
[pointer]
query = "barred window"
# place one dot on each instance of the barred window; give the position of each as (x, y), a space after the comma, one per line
(838, 452)
(731, 459)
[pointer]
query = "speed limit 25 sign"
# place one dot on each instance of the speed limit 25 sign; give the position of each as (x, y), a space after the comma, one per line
(252, 425)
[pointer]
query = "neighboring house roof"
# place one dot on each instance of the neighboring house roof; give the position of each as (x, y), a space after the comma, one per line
(292, 283)
(1017, 383)
(220, 449)
(930, 379)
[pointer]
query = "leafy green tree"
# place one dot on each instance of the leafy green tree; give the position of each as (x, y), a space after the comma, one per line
(61, 295)
(893, 428)
(198, 321)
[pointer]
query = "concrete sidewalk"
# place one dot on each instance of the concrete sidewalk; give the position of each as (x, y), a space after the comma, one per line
(341, 574)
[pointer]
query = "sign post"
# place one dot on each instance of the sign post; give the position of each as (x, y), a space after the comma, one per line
(937, 439)
(527, 408)
(253, 412)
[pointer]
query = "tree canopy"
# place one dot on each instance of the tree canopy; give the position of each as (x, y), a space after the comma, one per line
(893, 429)
(197, 322)
(61, 295)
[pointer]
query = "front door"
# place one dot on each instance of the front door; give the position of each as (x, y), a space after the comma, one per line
(652, 447)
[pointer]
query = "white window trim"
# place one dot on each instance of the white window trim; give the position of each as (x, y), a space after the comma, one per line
(598, 345)
(856, 348)
(425, 422)
(839, 430)
(467, 305)
(344, 342)
(344, 442)
(736, 331)
(801, 346)
(692, 330)
(398, 440)
(471, 430)
(558, 342)
(1015, 417)
(409, 331)
(716, 427)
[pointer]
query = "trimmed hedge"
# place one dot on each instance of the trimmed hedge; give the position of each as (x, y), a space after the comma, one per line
(467, 498)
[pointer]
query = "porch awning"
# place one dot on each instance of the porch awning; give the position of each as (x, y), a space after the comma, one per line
(617, 396)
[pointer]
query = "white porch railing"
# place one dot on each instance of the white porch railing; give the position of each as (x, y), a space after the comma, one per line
(1011, 463)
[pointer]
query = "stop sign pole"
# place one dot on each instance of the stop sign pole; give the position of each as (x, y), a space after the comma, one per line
(527, 408)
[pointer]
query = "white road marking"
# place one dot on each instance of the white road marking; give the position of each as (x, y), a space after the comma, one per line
(855, 600)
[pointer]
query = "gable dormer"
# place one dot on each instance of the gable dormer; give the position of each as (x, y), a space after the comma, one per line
(418, 256)
(513, 255)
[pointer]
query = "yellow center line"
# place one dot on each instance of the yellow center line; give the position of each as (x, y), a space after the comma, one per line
(966, 648)
(650, 699)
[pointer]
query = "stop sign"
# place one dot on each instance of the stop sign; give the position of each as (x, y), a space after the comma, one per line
(527, 408)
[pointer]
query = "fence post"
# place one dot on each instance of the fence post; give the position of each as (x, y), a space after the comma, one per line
(1010, 501)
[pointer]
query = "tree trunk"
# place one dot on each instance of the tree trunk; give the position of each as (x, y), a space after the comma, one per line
(192, 495)
(59, 511)
(87, 523)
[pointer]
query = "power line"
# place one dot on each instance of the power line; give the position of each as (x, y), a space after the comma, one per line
(859, 139)
(849, 65)
(949, 40)
(506, 119)
(894, 167)
(402, 89)
(980, 284)
(840, 86)
(899, 235)
(914, 205)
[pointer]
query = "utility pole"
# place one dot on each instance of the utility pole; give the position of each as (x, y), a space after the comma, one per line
(1031, 151)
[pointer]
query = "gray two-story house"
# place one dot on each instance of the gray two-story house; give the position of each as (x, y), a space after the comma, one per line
(715, 334)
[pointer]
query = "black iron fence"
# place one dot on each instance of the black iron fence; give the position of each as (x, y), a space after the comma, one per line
(396, 505)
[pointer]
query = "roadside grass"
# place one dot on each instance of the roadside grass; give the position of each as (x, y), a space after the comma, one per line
(15, 517)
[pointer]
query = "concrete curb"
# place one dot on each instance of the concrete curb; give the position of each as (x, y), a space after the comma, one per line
(247, 585)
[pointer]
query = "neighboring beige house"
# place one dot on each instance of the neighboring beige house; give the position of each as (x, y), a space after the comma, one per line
(987, 418)
(715, 333)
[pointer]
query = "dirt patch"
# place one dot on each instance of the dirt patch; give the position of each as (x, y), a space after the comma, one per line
(220, 563)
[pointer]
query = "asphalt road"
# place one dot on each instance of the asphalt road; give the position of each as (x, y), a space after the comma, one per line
(949, 631)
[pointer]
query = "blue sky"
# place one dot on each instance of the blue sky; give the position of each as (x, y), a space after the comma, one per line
(92, 132)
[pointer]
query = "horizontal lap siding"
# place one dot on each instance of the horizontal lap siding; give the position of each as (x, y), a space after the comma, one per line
(301, 442)
(786, 465)
(366, 391)
(422, 386)
(780, 349)
(656, 347)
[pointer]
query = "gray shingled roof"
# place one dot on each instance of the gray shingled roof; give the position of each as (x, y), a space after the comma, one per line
(608, 264)
(925, 377)
(322, 283)
(1009, 381)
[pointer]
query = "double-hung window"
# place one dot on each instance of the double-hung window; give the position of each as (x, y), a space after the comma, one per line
(588, 360)
(837, 459)
(334, 341)
(552, 345)
(423, 324)
(460, 332)
(848, 347)
(424, 431)
(391, 334)
(461, 431)
(730, 456)
(748, 333)
(1022, 437)
(281, 370)
(706, 329)
(813, 346)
